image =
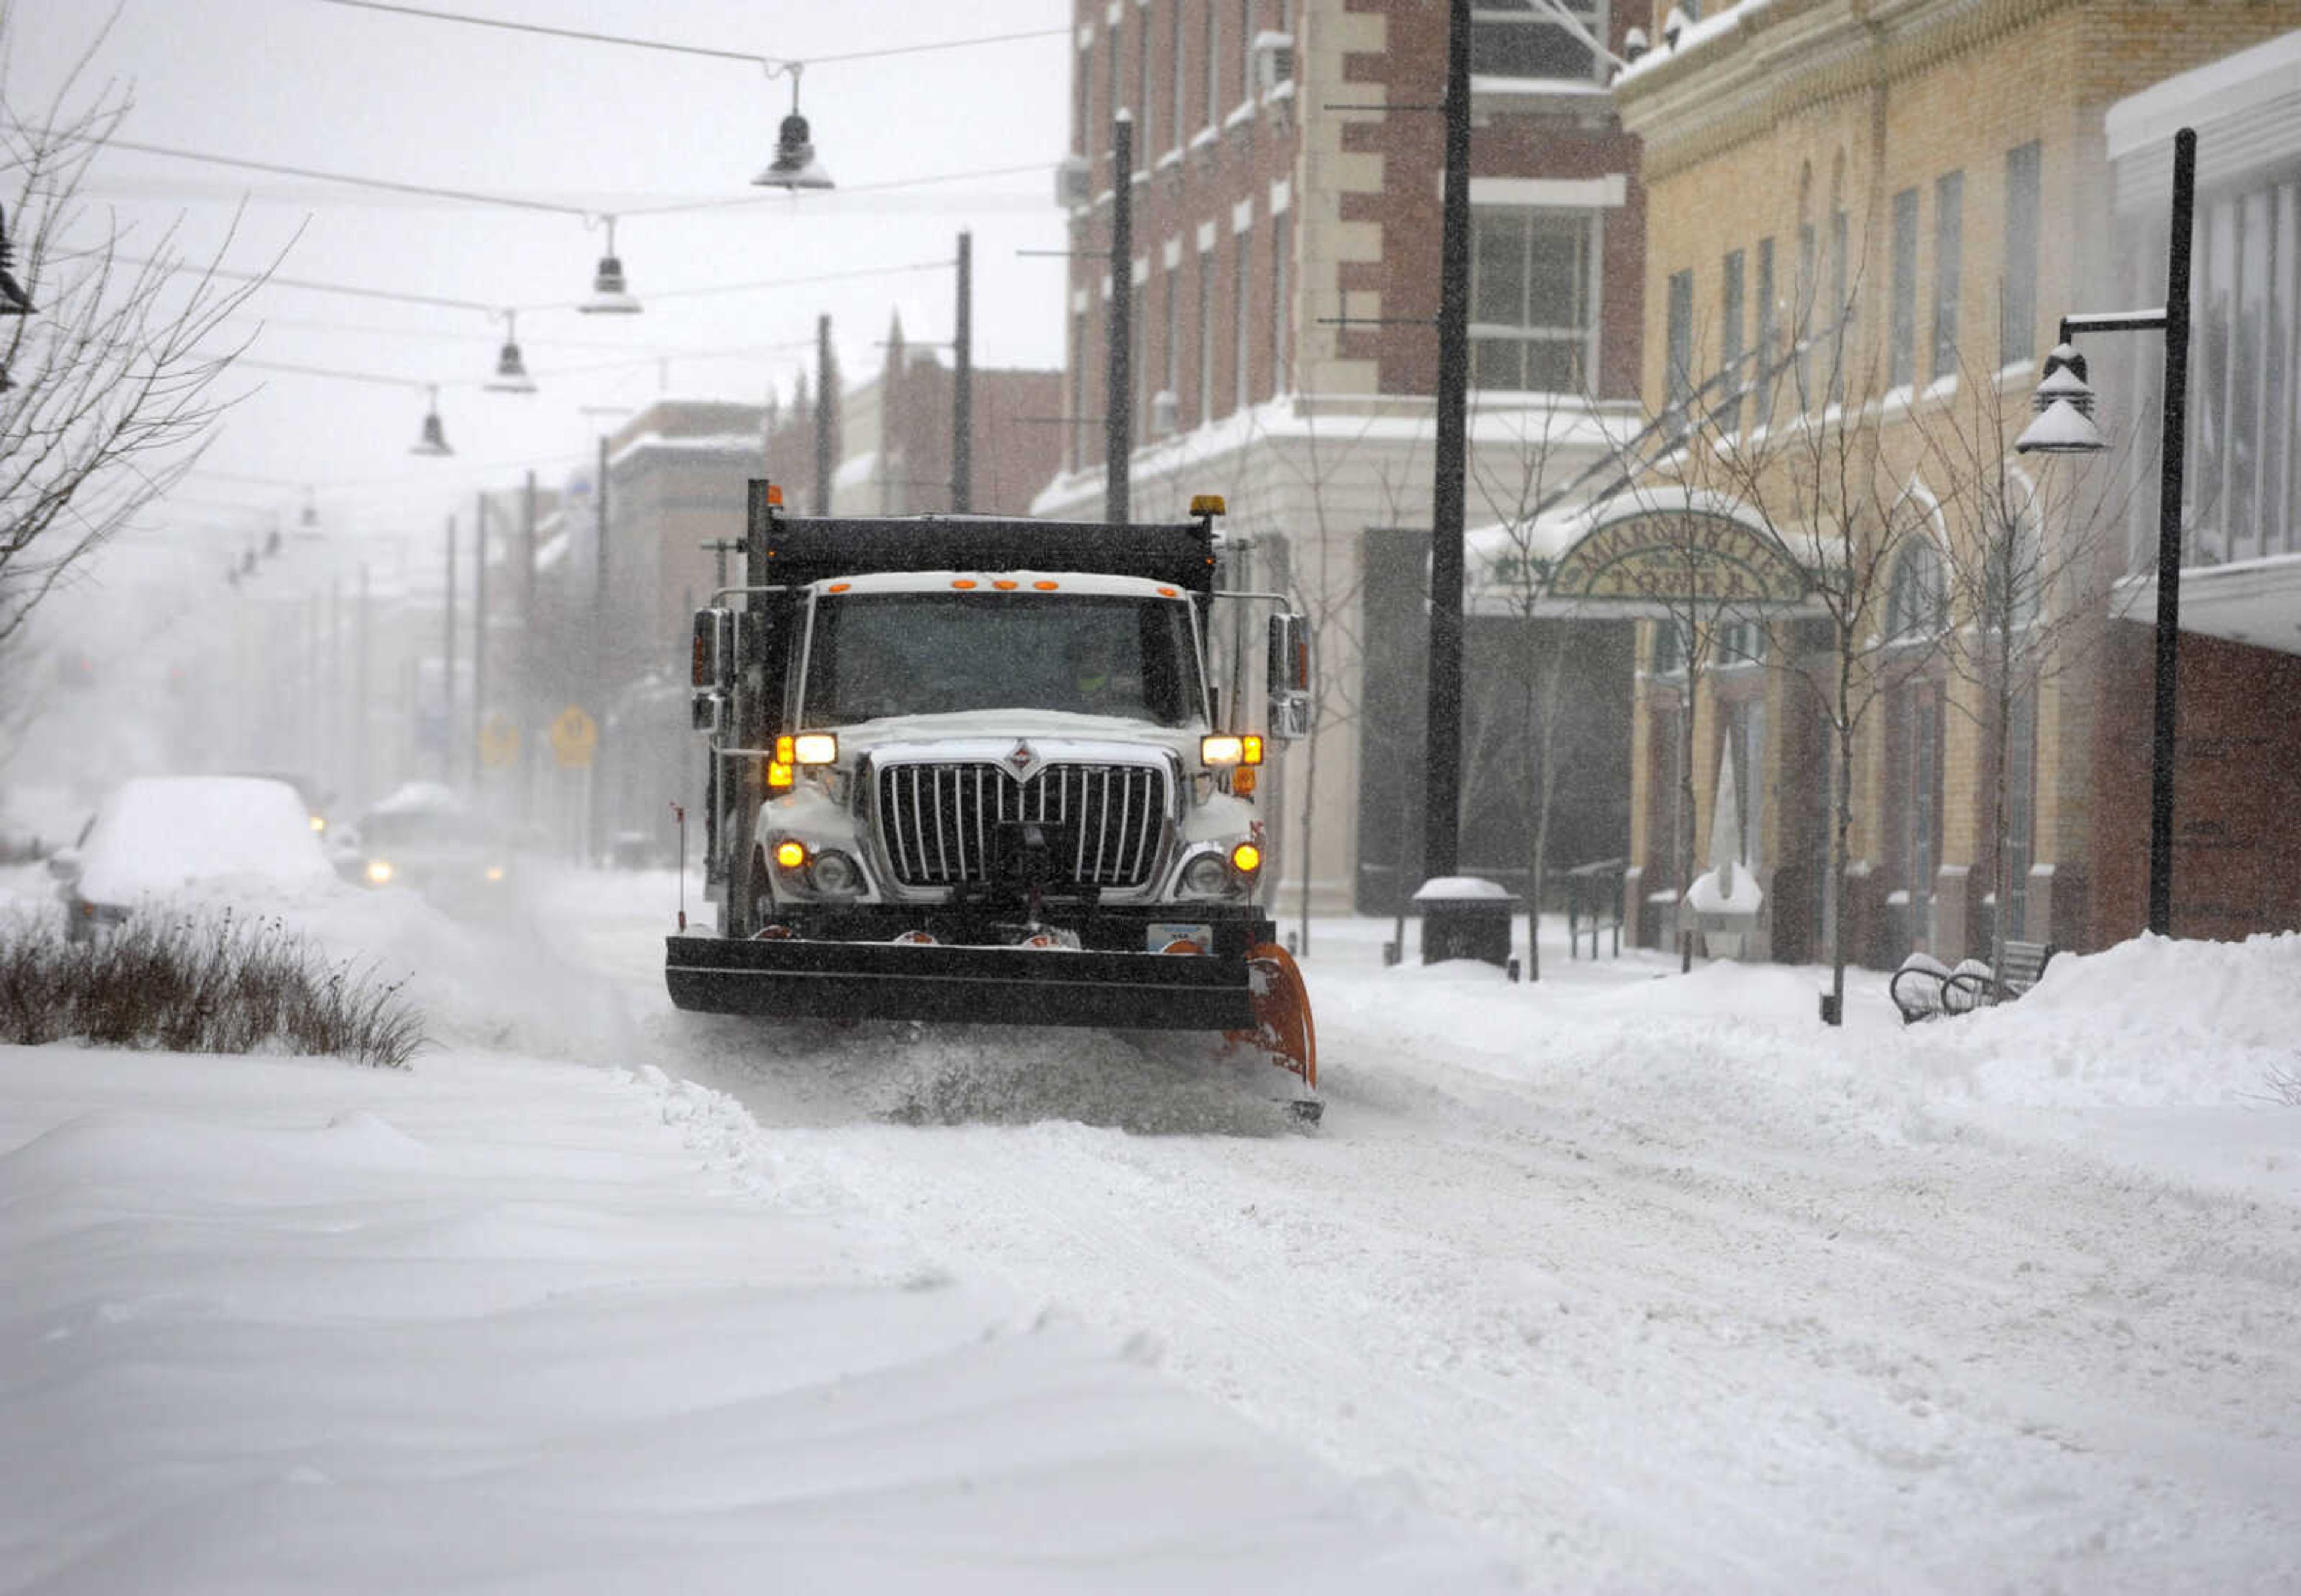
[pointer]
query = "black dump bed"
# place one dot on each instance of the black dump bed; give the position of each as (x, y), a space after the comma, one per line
(800, 549)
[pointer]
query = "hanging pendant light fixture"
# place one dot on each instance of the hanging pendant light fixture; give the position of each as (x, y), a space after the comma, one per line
(434, 440)
(794, 166)
(13, 300)
(511, 371)
(610, 297)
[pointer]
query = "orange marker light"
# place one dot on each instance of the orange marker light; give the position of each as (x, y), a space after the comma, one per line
(779, 774)
(784, 754)
(840, 587)
(1046, 587)
(1168, 593)
(1005, 584)
(965, 581)
(790, 854)
(1250, 749)
(1241, 781)
(1246, 858)
(776, 494)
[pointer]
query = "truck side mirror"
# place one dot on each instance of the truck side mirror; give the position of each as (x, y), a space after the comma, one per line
(707, 710)
(711, 660)
(1289, 672)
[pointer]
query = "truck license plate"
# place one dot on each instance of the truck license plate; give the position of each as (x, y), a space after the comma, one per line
(1162, 933)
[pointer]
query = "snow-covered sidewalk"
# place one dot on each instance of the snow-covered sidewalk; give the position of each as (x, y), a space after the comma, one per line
(502, 1324)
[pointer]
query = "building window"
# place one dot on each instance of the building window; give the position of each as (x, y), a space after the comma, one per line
(1902, 349)
(1949, 251)
(1082, 103)
(1143, 141)
(1174, 66)
(1078, 392)
(1206, 337)
(1841, 307)
(1245, 52)
(1770, 332)
(1242, 245)
(1801, 316)
(1526, 38)
(1213, 65)
(1170, 379)
(1118, 48)
(2018, 331)
(1678, 378)
(1282, 246)
(1916, 597)
(1730, 347)
(1533, 293)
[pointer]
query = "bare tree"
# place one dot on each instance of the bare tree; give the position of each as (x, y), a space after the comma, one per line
(109, 365)
(2026, 580)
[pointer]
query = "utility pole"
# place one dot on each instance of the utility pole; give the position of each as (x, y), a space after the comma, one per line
(962, 384)
(447, 675)
(360, 728)
(479, 630)
(824, 415)
(1443, 767)
(592, 841)
(1119, 353)
(525, 697)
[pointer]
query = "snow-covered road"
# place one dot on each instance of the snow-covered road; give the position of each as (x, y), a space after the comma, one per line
(1651, 1281)
(1623, 1281)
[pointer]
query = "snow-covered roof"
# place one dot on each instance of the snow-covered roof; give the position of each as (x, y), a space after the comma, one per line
(2249, 82)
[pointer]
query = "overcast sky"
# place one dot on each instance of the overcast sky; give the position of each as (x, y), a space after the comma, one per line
(596, 127)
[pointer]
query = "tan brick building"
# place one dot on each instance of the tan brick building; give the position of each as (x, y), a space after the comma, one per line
(1919, 191)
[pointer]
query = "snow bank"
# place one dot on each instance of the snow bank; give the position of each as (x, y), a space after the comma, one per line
(2154, 1021)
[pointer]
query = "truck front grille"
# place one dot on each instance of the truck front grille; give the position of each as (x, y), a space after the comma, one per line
(938, 821)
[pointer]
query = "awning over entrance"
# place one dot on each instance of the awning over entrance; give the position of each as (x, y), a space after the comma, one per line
(2256, 602)
(1642, 555)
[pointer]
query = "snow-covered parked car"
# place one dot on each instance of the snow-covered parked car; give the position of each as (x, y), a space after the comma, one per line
(155, 836)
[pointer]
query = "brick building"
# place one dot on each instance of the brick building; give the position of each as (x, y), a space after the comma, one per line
(1285, 194)
(1879, 216)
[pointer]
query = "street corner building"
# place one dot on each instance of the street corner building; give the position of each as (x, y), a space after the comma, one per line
(1863, 227)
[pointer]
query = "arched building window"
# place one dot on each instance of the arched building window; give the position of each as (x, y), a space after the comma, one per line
(1917, 612)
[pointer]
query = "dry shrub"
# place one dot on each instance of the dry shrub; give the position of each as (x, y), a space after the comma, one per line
(198, 983)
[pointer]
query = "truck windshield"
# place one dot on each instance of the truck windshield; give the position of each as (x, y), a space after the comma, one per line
(874, 654)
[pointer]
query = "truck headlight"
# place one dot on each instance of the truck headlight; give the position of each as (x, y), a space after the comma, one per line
(836, 875)
(1208, 876)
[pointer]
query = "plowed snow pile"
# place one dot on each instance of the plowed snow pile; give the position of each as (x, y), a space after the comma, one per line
(2150, 1022)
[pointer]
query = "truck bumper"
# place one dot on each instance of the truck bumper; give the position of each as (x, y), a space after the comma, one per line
(803, 979)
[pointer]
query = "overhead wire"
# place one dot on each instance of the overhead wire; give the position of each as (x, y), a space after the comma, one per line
(588, 37)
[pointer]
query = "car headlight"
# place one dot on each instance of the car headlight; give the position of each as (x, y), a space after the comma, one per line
(379, 872)
(495, 873)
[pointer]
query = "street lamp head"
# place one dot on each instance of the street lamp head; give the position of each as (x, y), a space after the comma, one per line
(434, 440)
(2063, 403)
(510, 371)
(795, 166)
(610, 295)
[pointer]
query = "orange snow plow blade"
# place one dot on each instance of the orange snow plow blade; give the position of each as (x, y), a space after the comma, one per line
(1282, 1029)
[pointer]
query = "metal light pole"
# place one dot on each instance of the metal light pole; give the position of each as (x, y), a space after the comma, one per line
(825, 409)
(479, 630)
(1118, 351)
(962, 385)
(1443, 765)
(448, 674)
(2064, 426)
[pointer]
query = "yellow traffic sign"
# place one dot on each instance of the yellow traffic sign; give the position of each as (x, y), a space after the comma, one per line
(574, 736)
(499, 742)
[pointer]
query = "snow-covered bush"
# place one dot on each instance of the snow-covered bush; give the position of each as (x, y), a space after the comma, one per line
(198, 983)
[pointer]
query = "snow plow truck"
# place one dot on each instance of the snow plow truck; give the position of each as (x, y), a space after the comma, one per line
(984, 770)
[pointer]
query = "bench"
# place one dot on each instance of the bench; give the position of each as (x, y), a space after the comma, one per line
(1926, 989)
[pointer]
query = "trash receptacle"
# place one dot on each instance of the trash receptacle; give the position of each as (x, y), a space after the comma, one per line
(1465, 916)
